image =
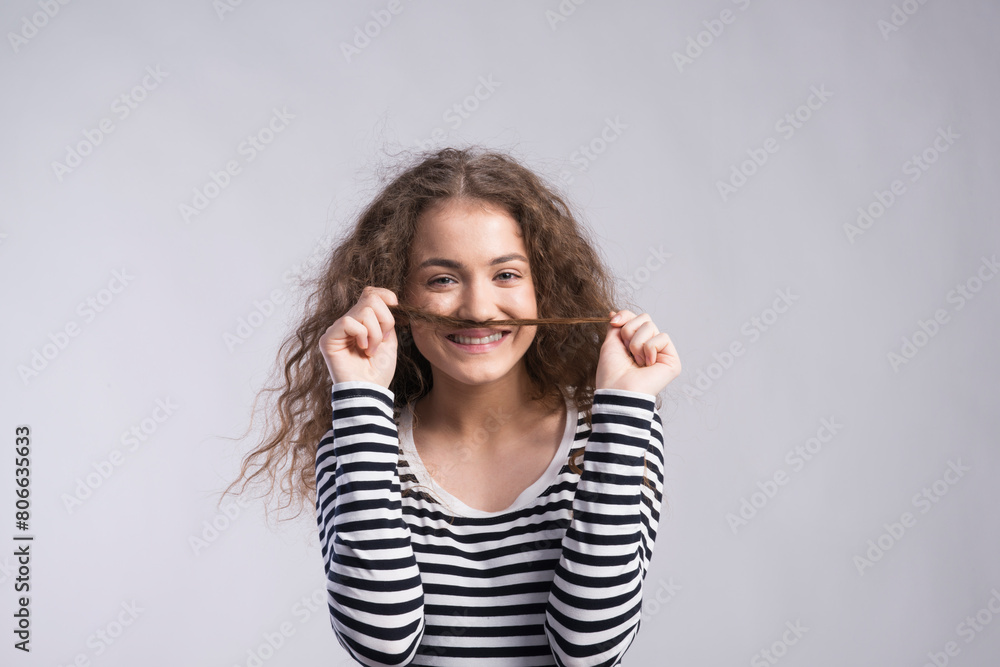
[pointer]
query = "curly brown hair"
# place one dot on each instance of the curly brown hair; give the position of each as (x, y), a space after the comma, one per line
(570, 280)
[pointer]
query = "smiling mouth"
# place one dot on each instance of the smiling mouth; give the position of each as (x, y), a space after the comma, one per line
(472, 340)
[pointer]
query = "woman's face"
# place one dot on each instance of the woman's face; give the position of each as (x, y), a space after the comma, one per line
(468, 260)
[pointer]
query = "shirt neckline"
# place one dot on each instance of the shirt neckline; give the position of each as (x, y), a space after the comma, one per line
(525, 498)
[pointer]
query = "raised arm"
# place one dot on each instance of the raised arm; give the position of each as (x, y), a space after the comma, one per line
(375, 594)
(594, 605)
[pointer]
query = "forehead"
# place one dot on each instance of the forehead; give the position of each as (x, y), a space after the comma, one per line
(466, 229)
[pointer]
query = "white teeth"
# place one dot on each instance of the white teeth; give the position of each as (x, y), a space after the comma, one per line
(465, 340)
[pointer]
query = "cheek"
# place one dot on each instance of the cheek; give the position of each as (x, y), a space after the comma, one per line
(421, 336)
(411, 295)
(531, 296)
(531, 304)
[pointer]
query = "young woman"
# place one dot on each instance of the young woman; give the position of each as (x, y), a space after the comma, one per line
(488, 493)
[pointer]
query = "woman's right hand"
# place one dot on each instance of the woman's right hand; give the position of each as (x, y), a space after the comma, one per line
(361, 345)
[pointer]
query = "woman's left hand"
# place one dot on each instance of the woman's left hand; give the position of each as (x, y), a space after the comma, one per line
(635, 356)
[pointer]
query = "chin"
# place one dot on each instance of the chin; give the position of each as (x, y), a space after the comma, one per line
(478, 376)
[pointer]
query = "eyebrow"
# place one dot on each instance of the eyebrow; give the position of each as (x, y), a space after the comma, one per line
(452, 264)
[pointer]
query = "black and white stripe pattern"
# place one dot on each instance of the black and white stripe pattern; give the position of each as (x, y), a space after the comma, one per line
(555, 582)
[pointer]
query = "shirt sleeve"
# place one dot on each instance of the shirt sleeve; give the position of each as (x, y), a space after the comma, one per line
(594, 605)
(374, 591)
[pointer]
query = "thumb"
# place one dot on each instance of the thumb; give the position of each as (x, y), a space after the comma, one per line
(614, 332)
(613, 339)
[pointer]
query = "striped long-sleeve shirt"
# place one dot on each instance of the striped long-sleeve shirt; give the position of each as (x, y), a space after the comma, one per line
(420, 578)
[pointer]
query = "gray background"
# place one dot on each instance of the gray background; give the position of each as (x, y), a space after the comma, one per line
(560, 73)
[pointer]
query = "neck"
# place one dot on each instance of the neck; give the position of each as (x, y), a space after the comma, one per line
(483, 415)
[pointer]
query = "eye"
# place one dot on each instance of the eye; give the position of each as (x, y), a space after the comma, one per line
(512, 275)
(435, 280)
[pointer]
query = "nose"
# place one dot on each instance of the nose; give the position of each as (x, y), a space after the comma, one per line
(477, 302)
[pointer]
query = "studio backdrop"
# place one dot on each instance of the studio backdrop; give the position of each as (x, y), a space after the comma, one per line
(801, 194)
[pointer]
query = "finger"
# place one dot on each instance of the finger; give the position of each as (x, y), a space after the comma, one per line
(374, 327)
(379, 299)
(372, 294)
(631, 326)
(637, 345)
(356, 330)
(612, 338)
(624, 329)
(651, 348)
(663, 344)
(387, 295)
(623, 315)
